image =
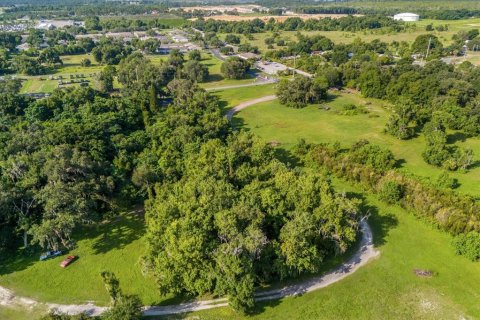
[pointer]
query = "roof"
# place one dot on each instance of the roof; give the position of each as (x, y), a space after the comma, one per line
(248, 55)
(407, 14)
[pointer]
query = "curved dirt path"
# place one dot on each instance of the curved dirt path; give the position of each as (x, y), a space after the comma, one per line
(364, 254)
(247, 104)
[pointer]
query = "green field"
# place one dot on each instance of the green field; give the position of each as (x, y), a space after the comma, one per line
(116, 246)
(386, 288)
(417, 28)
(71, 68)
(275, 122)
(232, 97)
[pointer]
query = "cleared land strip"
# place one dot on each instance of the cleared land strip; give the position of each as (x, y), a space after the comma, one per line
(364, 254)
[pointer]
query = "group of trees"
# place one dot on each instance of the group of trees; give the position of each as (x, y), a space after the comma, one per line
(348, 23)
(301, 91)
(374, 169)
(235, 68)
(64, 162)
(110, 51)
(68, 159)
(224, 215)
(115, 24)
(435, 98)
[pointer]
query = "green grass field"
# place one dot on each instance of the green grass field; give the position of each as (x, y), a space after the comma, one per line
(275, 122)
(387, 287)
(71, 67)
(232, 97)
(116, 246)
(17, 313)
(417, 28)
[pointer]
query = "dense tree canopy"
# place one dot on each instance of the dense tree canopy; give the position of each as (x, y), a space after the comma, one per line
(235, 68)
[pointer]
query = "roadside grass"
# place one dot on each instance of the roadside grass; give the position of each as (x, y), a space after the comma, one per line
(17, 313)
(283, 125)
(387, 287)
(115, 246)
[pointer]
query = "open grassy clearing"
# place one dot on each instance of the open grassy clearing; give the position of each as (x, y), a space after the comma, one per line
(70, 70)
(275, 122)
(418, 28)
(229, 98)
(386, 288)
(116, 246)
(72, 67)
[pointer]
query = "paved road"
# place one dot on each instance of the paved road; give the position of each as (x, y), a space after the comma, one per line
(364, 254)
(217, 54)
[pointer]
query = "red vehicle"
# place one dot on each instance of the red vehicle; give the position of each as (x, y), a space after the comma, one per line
(68, 260)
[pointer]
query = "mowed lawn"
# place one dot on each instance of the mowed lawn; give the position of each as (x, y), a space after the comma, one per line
(387, 287)
(276, 123)
(115, 246)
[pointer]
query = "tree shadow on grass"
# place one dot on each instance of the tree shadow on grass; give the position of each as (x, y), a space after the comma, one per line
(380, 222)
(116, 234)
(287, 157)
(214, 78)
(18, 261)
(239, 124)
(400, 163)
(456, 137)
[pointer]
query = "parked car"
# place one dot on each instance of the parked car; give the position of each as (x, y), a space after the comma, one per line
(68, 260)
(50, 254)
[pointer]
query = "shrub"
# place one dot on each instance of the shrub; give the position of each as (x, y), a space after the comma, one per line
(391, 192)
(468, 244)
(86, 62)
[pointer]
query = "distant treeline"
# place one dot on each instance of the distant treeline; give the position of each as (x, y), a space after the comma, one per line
(327, 10)
(439, 14)
(348, 23)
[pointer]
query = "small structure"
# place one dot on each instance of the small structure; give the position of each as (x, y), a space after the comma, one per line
(249, 56)
(407, 16)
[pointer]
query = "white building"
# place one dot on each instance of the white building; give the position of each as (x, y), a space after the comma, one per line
(406, 17)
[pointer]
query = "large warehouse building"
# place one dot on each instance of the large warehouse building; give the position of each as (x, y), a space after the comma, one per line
(406, 17)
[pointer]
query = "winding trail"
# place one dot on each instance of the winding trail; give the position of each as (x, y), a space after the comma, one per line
(362, 256)
(247, 104)
(365, 253)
